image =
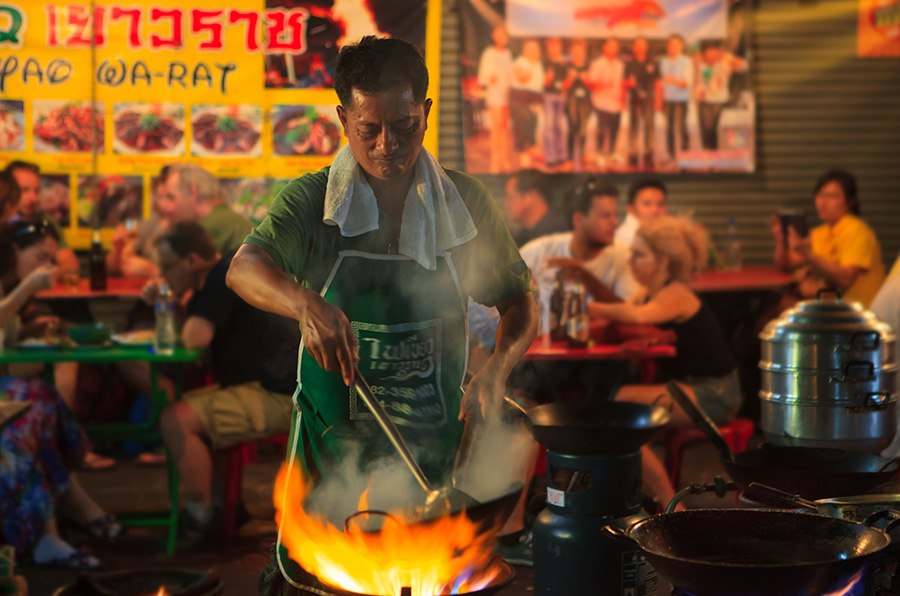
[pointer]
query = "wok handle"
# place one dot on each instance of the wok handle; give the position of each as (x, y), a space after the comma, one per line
(390, 429)
(618, 534)
(700, 418)
(889, 514)
(762, 489)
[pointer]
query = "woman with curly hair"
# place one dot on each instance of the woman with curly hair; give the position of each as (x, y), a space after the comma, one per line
(665, 254)
(39, 450)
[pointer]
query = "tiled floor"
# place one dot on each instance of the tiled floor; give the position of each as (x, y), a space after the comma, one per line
(129, 487)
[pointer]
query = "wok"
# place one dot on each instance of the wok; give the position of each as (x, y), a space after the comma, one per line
(812, 472)
(594, 428)
(754, 551)
(861, 508)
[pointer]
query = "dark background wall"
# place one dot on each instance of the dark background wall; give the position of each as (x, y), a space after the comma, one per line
(819, 106)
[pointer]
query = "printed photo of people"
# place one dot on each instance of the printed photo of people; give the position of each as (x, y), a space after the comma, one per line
(641, 86)
(328, 25)
(107, 201)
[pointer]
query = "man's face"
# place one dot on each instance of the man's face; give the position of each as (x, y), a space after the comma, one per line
(554, 49)
(599, 224)
(611, 48)
(29, 187)
(674, 47)
(174, 204)
(385, 131)
(639, 48)
(176, 270)
(649, 203)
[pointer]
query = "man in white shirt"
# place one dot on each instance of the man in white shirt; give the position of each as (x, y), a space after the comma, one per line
(587, 251)
(606, 80)
(647, 199)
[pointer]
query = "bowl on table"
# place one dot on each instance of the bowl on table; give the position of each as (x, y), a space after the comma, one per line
(89, 334)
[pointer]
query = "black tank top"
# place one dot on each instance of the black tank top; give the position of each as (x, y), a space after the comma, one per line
(701, 347)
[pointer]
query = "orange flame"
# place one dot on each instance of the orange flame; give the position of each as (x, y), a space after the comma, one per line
(849, 586)
(449, 555)
(162, 591)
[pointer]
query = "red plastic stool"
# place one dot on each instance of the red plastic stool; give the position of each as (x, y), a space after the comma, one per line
(737, 434)
(235, 458)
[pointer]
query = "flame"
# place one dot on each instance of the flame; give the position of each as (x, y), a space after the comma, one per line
(449, 555)
(849, 587)
(162, 591)
(357, 18)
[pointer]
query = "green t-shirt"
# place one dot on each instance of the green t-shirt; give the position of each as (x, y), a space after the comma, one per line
(489, 266)
(227, 228)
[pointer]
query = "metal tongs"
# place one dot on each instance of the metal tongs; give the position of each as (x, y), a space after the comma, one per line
(437, 501)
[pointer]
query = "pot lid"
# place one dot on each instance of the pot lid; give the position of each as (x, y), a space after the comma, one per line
(829, 315)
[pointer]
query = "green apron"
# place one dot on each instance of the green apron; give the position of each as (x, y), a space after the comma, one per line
(411, 327)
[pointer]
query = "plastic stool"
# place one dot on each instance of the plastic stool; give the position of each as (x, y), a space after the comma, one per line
(737, 434)
(235, 458)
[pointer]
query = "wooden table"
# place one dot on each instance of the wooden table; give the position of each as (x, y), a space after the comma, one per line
(144, 431)
(126, 288)
(746, 279)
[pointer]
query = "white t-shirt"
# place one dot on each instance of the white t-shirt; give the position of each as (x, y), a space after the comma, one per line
(626, 230)
(611, 75)
(494, 75)
(535, 71)
(610, 266)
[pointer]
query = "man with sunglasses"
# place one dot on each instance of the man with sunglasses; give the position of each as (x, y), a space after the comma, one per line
(28, 176)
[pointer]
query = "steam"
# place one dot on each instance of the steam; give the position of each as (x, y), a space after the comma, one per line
(492, 462)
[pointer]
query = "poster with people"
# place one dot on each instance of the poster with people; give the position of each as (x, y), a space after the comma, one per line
(607, 86)
(101, 95)
(878, 32)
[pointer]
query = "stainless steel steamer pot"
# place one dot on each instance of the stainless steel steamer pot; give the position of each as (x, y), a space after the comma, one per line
(828, 371)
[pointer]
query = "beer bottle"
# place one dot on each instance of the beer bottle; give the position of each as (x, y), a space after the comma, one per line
(557, 308)
(97, 262)
(577, 325)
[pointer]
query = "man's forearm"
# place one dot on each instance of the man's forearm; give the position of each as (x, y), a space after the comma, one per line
(515, 332)
(254, 276)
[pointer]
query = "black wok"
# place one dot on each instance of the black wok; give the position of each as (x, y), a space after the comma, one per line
(594, 428)
(812, 472)
(491, 513)
(754, 551)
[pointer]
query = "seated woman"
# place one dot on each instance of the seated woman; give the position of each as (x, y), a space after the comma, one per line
(843, 252)
(39, 450)
(665, 253)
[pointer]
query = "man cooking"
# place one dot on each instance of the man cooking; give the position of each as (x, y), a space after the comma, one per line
(376, 257)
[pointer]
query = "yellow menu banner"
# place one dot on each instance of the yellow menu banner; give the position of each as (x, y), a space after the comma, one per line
(102, 94)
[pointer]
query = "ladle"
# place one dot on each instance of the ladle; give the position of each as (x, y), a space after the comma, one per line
(446, 499)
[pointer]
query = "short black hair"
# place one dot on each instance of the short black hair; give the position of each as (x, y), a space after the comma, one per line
(581, 198)
(643, 183)
(531, 179)
(18, 164)
(376, 64)
(9, 190)
(847, 182)
(189, 237)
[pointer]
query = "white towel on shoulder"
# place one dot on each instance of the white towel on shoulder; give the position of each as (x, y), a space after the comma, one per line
(435, 219)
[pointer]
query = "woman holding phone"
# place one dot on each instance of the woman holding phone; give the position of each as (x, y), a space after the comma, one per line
(842, 253)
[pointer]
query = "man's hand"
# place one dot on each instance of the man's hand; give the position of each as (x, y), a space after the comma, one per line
(42, 278)
(798, 244)
(328, 337)
(151, 290)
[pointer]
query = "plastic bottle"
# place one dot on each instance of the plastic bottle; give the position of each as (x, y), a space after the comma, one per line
(97, 262)
(732, 247)
(164, 309)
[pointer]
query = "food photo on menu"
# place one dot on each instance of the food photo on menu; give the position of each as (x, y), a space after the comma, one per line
(305, 130)
(154, 128)
(226, 130)
(12, 125)
(62, 126)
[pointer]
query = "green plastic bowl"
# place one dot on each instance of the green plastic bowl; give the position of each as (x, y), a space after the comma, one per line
(91, 333)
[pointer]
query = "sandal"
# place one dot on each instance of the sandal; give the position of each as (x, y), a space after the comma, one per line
(93, 462)
(106, 528)
(80, 560)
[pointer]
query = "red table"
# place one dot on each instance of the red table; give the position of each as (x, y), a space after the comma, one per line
(562, 352)
(116, 287)
(746, 279)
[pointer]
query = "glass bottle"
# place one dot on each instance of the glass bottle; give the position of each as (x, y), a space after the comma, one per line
(164, 310)
(97, 262)
(577, 326)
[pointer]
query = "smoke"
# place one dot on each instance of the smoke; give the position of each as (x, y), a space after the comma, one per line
(492, 461)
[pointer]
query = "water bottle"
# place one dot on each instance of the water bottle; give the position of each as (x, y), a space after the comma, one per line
(732, 247)
(164, 309)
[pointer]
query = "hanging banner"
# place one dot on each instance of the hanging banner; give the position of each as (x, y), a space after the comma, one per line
(879, 29)
(607, 86)
(102, 94)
